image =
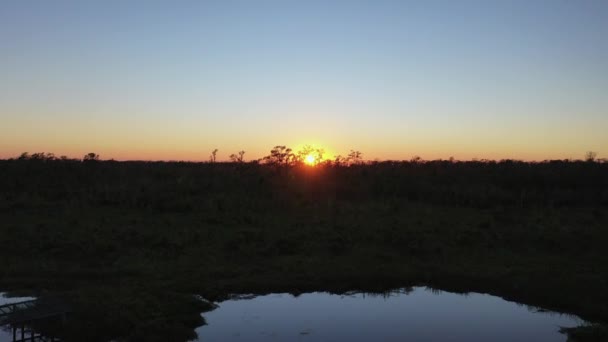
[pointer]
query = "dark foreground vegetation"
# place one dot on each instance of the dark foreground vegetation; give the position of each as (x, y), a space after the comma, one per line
(126, 244)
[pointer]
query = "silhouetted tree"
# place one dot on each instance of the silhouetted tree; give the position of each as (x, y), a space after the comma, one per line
(237, 158)
(40, 156)
(90, 157)
(339, 160)
(213, 156)
(37, 156)
(303, 153)
(590, 156)
(280, 155)
(354, 157)
(307, 150)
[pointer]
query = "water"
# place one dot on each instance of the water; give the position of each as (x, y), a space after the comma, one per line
(417, 315)
(420, 315)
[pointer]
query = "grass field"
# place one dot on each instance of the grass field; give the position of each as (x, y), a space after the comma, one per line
(126, 243)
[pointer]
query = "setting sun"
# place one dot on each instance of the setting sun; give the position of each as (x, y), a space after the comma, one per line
(310, 159)
(198, 153)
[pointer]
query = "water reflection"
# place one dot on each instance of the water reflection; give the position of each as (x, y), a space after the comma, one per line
(417, 314)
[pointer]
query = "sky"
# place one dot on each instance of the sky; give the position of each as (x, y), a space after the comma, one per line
(173, 80)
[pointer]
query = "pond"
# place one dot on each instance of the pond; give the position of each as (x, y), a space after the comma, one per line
(414, 314)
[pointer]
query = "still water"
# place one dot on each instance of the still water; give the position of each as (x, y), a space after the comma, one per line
(419, 314)
(415, 314)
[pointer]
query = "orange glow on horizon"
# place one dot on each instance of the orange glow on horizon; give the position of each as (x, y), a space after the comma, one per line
(123, 148)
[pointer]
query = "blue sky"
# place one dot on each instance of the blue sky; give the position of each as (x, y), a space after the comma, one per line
(175, 79)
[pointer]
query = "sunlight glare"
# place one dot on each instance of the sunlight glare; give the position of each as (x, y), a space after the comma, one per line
(310, 159)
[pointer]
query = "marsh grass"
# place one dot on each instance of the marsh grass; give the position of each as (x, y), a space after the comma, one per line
(128, 243)
(586, 333)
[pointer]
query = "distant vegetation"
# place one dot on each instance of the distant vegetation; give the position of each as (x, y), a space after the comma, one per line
(478, 183)
(534, 232)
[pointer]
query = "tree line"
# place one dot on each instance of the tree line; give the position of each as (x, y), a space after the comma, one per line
(282, 155)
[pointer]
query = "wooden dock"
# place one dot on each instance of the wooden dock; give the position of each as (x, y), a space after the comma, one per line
(21, 315)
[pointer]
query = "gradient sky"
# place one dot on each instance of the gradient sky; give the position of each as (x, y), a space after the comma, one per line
(393, 79)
